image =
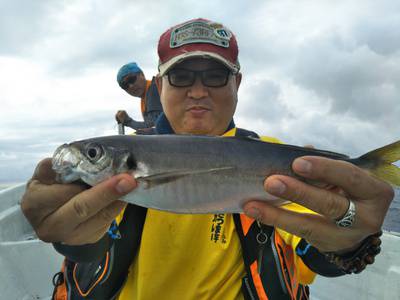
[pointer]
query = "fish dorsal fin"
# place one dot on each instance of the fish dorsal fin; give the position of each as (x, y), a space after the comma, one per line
(170, 176)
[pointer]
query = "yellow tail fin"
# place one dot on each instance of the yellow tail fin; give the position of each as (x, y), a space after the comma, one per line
(380, 163)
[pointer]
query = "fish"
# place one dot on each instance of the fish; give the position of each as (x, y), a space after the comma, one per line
(193, 174)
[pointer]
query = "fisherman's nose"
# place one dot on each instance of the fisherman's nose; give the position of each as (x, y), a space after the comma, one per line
(197, 90)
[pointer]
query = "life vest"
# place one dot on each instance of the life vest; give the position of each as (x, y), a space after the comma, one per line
(150, 103)
(275, 277)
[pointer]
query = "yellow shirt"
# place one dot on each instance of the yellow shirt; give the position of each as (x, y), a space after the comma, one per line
(186, 257)
(190, 257)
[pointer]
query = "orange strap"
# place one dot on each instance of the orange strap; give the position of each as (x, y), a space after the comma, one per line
(61, 290)
(246, 223)
(143, 100)
(257, 281)
(61, 293)
(143, 105)
(287, 260)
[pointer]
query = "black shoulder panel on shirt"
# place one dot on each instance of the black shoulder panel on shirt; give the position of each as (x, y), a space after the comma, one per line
(240, 132)
(85, 253)
(316, 261)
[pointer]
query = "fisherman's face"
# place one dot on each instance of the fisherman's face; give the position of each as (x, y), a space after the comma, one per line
(199, 109)
(135, 88)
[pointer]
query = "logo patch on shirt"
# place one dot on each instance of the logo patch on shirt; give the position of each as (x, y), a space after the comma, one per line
(217, 229)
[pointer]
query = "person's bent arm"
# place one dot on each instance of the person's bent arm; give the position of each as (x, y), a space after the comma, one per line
(122, 117)
(135, 124)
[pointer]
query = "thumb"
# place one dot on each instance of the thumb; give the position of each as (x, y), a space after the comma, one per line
(44, 172)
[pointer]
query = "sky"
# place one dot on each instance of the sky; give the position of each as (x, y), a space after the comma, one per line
(325, 73)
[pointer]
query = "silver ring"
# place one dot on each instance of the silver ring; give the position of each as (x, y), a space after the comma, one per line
(349, 217)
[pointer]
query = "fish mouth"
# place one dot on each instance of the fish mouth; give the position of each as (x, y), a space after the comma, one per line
(64, 163)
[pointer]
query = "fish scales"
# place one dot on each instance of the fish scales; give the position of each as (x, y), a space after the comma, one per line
(190, 174)
(241, 167)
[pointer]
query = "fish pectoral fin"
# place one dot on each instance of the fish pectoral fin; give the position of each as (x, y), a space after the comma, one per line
(155, 180)
(166, 177)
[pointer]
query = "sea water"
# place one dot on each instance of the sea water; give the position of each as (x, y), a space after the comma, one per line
(392, 220)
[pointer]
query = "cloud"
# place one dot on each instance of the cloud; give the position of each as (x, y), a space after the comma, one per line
(72, 37)
(23, 24)
(261, 100)
(354, 79)
(323, 73)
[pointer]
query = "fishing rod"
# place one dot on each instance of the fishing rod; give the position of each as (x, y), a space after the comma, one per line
(121, 129)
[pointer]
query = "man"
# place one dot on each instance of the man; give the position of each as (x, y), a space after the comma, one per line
(132, 80)
(269, 253)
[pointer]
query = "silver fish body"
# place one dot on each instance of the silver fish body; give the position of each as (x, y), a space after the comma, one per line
(183, 173)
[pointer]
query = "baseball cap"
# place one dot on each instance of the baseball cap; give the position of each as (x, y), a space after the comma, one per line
(198, 38)
(130, 68)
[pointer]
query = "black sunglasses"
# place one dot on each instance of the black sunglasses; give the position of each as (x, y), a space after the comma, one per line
(127, 81)
(210, 78)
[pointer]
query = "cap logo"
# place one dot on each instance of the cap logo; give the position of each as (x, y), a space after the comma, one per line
(200, 32)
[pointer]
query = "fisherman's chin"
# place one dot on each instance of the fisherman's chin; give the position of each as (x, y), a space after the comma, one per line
(204, 125)
(203, 130)
(197, 129)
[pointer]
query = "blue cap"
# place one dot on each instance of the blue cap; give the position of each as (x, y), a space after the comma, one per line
(131, 68)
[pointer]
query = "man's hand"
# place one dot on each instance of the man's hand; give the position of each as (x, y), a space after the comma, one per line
(371, 197)
(71, 213)
(122, 117)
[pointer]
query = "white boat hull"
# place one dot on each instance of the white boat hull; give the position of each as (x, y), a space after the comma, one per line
(27, 264)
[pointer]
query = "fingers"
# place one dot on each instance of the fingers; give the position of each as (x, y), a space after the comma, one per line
(315, 229)
(94, 228)
(44, 172)
(370, 196)
(43, 196)
(355, 181)
(71, 212)
(322, 201)
(86, 205)
(41, 200)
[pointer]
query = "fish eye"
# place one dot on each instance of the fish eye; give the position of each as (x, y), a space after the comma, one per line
(94, 152)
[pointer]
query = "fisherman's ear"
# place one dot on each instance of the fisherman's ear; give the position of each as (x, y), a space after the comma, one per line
(238, 79)
(159, 83)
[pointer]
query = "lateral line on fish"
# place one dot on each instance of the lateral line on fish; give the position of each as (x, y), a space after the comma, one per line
(166, 177)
